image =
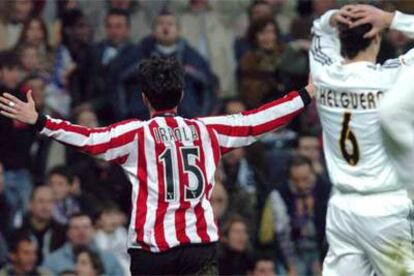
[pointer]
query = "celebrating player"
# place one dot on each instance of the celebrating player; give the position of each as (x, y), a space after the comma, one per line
(368, 230)
(170, 162)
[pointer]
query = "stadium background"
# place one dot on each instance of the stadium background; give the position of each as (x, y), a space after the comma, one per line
(270, 199)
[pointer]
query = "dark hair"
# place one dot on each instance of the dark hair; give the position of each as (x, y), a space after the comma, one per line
(299, 160)
(21, 237)
(258, 26)
(69, 19)
(94, 257)
(120, 12)
(353, 40)
(64, 171)
(303, 134)
(78, 215)
(23, 34)
(9, 59)
(108, 207)
(162, 82)
(253, 5)
(259, 257)
(37, 188)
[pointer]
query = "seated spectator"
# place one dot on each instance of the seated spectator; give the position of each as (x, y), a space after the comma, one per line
(35, 34)
(111, 235)
(5, 209)
(71, 70)
(88, 263)
(3, 251)
(11, 24)
(39, 225)
(259, 80)
(15, 146)
(219, 202)
(257, 10)
(201, 27)
(112, 58)
(23, 259)
(31, 61)
(199, 91)
(61, 180)
(306, 197)
(234, 255)
(80, 233)
(263, 266)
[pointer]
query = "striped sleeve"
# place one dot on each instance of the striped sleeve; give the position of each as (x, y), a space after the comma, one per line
(243, 129)
(112, 143)
(325, 48)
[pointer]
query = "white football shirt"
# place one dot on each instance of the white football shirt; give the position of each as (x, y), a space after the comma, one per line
(348, 96)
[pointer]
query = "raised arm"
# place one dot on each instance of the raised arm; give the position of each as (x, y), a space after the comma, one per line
(112, 143)
(243, 129)
(325, 48)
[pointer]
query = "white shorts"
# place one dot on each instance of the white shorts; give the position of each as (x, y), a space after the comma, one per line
(369, 234)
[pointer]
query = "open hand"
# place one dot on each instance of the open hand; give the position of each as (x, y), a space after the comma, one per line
(13, 108)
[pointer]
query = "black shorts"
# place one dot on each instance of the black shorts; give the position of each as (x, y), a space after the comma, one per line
(193, 259)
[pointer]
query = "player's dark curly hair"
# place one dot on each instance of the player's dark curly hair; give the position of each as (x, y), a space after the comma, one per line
(352, 39)
(162, 82)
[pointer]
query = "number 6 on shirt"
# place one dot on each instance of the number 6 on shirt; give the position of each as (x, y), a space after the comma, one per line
(351, 158)
(170, 179)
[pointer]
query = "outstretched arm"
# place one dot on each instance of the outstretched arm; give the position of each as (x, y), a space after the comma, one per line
(110, 143)
(243, 129)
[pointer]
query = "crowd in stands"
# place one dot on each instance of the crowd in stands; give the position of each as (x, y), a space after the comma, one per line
(65, 213)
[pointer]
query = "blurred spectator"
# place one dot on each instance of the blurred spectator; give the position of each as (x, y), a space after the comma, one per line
(200, 85)
(71, 70)
(61, 180)
(35, 34)
(39, 225)
(258, 10)
(309, 145)
(3, 251)
(23, 259)
(111, 235)
(259, 81)
(201, 26)
(15, 146)
(60, 8)
(234, 253)
(141, 17)
(306, 197)
(13, 15)
(80, 233)
(5, 209)
(88, 263)
(30, 60)
(263, 266)
(219, 202)
(112, 58)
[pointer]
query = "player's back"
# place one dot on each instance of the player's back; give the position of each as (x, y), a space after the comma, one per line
(348, 96)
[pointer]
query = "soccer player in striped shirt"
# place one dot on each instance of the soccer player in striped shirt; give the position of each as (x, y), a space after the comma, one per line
(170, 162)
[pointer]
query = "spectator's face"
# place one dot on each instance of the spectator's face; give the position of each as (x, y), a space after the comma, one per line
(260, 11)
(120, 4)
(219, 200)
(235, 107)
(81, 31)
(25, 256)
(117, 29)
(35, 35)
(30, 59)
(233, 157)
(302, 177)
(266, 38)
(198, 5)
(41, 206)
(109, 221)
(264, 268)
(60, 185)
(310, 148)
(80, 231)
(22, 10)
(38, 90)
(237, 239)
(10, 77)
(166, 30)
(88, 118)
(84, 265)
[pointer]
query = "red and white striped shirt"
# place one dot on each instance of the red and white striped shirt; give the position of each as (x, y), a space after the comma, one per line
(171, 162)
